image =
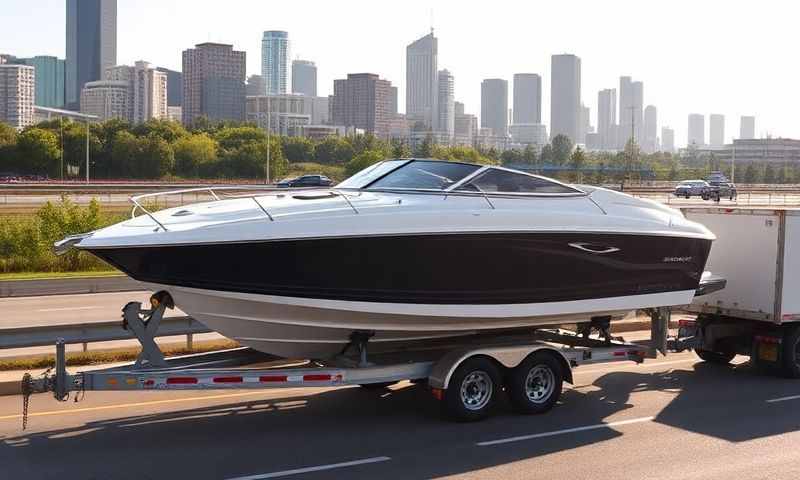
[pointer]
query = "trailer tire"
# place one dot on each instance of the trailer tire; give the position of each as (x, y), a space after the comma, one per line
(534, 385)
(721, 358)
(472, 390)
(791, 353)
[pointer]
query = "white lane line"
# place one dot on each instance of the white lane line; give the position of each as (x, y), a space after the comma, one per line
(67, 309)
(298, 471)
(565, 431)
(646, 364)
(783, 399)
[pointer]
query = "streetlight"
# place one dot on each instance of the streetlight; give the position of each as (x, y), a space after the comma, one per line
(269, 134)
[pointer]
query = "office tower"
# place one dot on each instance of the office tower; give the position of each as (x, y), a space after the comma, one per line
(422, 74)
(697, 130)
(147, 90)
(256, 86)
(107, 99)
(747, 128)
(213, 82)
(584, 123)
(565, 95)
(446, 103)
(275, 61)
(304, 77)
(362, 100)
(494, 106)
(17, 95)
(527, 98)
(91, 44)
(174, 87)
(716, 130)
(393, 106)
(466, 125)
(650, 141)
(49, 79)
(607, 118)
(667, 140)
(631, 99)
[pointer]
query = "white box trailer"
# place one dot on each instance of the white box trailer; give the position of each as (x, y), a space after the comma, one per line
(757, 251)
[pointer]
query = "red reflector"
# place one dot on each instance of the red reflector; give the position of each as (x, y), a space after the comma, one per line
(686, 323)
(766, 339)
(227, 379)
(177, 380)
(316, 378)
(621, 353)
(438, 393)
(149, 383)
(272, 378)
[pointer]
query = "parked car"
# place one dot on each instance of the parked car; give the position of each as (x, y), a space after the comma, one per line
(690, 188)
(719, 190)
(306, 181)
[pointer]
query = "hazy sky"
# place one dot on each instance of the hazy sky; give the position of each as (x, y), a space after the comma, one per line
(701, 56)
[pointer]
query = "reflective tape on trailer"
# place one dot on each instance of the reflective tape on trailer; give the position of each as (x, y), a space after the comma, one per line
(253, 380)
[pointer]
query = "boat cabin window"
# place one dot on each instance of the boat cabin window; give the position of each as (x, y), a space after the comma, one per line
(425, 175)
(503, 181)
(371, 173)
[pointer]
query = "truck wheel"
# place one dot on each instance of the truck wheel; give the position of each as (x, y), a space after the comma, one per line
(472, 391)
(791, 353)
(721, 358)
(535, 384)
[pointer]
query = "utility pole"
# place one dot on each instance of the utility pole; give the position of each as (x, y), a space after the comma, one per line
(61, 128)
(87, 150)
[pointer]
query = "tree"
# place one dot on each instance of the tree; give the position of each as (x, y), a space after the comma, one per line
(298, 149)
(38, 149)
(195, 155)
(362, 161)
(577, 161)
(165, 129)
(562, 149)
(769, 174)
(425, 147)
(8, 147)
(751, 174)
(529, 155)
(124, 154)
(333, 150)
(546, 157)
(511, 156)
(400, 148)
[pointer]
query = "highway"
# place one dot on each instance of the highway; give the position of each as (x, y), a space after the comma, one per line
(671, 418)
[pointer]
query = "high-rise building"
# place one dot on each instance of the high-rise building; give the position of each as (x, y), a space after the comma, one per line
(466, 125)
(362, 100)
(716, 130)
(697, 130)
(527, 98)
(607, 118)
(650, 140)
(494, 106)
(667, 140)
(107, 99)
(174, 87)
(17, 95)
(393, 93)
(585, 123)
(256, 86)
(304, 77)
(529, 133)
(147, 90)
(565, 95)
(747, 128)
(422, 75)
(446, 103)
(275, 61)
(49, 79)
(631, 110)
(213, 82)
(91, 44)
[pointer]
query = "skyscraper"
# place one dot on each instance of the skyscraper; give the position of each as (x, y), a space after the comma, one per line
(667, 139)
(91, 44)
(716, 130)
(494, 105)
(584, 123)
(422, 73)
(147, 90)
(565, 95)
(697, 130)
(747, 128)
(174, 87)
(304, 77)
(107, 99)
(393, 101)
(275, 61)
(527, 98)
(607, 118)
(362, 100)
(256, 86)
(213, 82)
(650, 140)
(17, 95)
(49, 79)
(446, 103)
(631, 99)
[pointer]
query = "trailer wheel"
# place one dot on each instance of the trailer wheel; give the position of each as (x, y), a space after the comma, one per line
(721, 358)
(791, 353)
(535, 384)
(472, 390)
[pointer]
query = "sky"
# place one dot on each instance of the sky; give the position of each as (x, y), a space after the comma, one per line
(701, 56)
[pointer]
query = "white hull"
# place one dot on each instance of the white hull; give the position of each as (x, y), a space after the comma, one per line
(311, 328)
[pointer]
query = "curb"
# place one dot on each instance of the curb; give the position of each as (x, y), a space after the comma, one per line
(10, 387)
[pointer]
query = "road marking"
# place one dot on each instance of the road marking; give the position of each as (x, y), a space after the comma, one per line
(67, 309)
(297, 471)
(646, 364)
(783, 399)
(565, 431)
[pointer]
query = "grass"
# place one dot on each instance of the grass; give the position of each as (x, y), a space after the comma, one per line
(55, 275)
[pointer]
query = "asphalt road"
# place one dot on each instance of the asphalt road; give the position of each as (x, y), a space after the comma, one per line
(671, 418)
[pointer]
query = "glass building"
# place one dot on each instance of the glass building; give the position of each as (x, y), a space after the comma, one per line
(275, 61)
(91, 44)
(49, 80)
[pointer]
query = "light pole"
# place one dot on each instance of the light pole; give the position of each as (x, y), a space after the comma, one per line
(269, 135)
(87, 150)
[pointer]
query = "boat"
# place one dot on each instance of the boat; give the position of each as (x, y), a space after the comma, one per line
(406, 250)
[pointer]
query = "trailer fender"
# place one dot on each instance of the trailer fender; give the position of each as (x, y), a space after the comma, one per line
(507, 356)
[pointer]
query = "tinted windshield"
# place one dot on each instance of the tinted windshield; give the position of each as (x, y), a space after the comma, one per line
(428, 175)
(504, 181)
(369, 174)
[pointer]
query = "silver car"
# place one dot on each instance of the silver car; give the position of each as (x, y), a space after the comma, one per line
(689, 188)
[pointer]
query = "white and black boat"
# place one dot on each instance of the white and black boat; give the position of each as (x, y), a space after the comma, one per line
(407, 250)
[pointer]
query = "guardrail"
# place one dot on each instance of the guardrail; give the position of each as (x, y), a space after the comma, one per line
(47, 335)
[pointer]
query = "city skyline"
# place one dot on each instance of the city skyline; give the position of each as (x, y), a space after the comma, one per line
(674, 92)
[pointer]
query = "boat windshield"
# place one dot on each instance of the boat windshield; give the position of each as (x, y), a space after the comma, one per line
(371, 173)
(425, 175)
(496, 180)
